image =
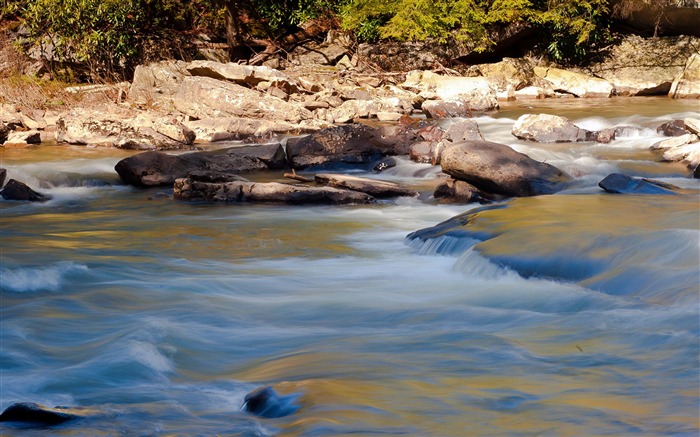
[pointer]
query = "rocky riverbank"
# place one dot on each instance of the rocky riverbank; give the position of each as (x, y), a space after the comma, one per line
(314, 115)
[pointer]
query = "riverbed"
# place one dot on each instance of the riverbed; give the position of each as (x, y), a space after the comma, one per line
(580, 316)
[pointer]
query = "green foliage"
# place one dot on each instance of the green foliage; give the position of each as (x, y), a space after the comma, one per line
(572, 27)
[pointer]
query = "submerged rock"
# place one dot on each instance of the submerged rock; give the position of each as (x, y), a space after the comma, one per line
(15, 190)
(266, 402)
(498, 169)
(373, 187)
(619, 183)
(36, 414)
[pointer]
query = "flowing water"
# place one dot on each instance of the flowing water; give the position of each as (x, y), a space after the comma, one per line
(580, 316)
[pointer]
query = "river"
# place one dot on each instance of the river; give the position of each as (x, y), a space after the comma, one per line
(580, 317)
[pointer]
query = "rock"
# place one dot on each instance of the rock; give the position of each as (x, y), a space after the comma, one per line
(496, 168)
(326, 53)
(640, 66)
(463, 130)
(534, 92)
(462, 95)
(673, 142)
(696, 172)
(266, 402)
(350, 144)
(351, 110)
(237, 128)
(384, 164)
(693, 125)
(546, 128)
(115, 126)
(510, 73)
(375, 188)
(618, 183)
(23, 139)
(3, 176)
(36, 414)
(157, 81)
(214, 176)
(578, 84)
(688, 153)
(204, 97)
(15, 190)
(606, 135)
(687, 84)
(248, 75)
(4, 132)
(424, 152)
(389, 116)
(456, 191)
(270, 192)
(673, 128)
(157, 168)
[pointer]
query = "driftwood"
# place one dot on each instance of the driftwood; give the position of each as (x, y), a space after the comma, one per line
(297, 177)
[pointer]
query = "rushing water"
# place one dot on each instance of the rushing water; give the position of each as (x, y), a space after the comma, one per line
(579, 317)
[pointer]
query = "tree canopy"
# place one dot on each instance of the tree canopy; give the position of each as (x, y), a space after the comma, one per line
(113, 36)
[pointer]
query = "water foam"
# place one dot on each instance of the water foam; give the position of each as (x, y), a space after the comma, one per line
(49, 278)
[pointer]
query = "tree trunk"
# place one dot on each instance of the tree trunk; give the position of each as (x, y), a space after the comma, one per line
(234, 31)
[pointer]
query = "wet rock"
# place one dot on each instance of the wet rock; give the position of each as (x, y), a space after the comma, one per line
(158, 168)
(456, 191)
(373, 187)
(619, 183)
(687, 84)
(498, 169)
(266, 402)
(463, 130)
(15, 190)
(673, 128)
(36, 414)
(674, 142)
(384, 164)
(204, 97)
(578, 84)
(270, 192)
(424, 152)
(3, 175)
(22, 139)
(546, 128)
(350, 144)
(214, 176)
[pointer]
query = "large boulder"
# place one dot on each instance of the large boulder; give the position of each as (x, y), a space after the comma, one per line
(350, 144)
(236, 128)
(578, 84)
(498, 169)
(547, 128)
(269, 192)
(157, 168)
(687, 84)
(618, 183)
(15, 190)
(373, 187)
(115, 126)
(204, 97)
(248, 75)
(156, 81)
(645, 66)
